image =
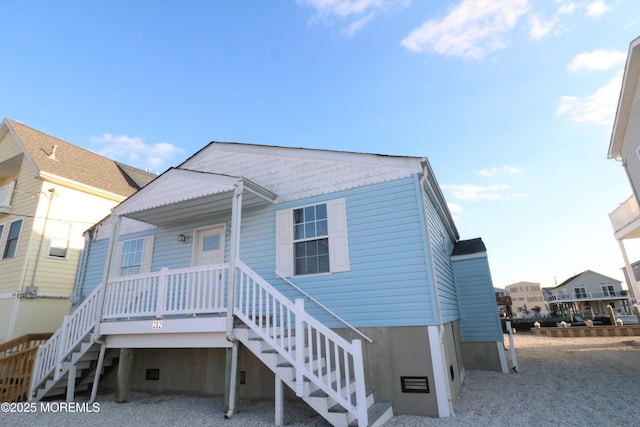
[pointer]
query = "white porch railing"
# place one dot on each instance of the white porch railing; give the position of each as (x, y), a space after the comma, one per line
(589, 296)
(303, 341)
(626, 213)
(74, 329)
(6, 193)
(184, 291)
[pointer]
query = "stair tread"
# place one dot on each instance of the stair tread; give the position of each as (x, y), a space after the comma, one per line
(374, 412)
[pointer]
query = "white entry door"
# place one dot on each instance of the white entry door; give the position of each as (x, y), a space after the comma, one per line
(208, 245)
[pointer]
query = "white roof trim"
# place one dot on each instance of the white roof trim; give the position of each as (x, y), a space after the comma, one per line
(627, 93)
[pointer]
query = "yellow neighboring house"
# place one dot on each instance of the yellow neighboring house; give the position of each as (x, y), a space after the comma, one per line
(50, 193)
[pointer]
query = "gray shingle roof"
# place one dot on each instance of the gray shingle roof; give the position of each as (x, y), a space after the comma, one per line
(77, 164)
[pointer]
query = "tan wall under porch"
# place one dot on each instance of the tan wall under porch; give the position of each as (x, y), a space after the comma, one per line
(395, 352)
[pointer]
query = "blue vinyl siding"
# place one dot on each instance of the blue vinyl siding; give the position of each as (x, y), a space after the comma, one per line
(479, 321)
(389, 283)
(95, 266)
(442, 246)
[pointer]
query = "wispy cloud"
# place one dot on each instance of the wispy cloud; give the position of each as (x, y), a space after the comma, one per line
(350, 15)
(475, 28)
(599, 59)
(597, 8)
(470, 30)
(503, 170)
(598, 108)
(473, 192)
(134, 151)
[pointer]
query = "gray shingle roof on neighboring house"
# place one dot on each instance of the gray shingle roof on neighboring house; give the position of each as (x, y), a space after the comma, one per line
(77, 164)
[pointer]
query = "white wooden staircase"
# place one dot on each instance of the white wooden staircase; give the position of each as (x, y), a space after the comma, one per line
(67, 362)
(323, 369)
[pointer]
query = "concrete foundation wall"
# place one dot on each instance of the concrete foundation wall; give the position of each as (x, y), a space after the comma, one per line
(394, 353)
(482, 356)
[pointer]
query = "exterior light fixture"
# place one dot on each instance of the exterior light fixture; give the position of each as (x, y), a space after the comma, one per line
(182, 238)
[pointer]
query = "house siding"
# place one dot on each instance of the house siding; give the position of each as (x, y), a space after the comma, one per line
(632, 143)
(477, 301)
(388, 275)
(441, 247)
(12, 270)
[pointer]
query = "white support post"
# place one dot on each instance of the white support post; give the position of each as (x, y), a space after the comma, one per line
(299, 310)
(62, 342)
(361, 392)
(234, 252)
(512, 347)
(96, 377)
(71, 383)
(162, 292)
(115, 232)
(279, 402)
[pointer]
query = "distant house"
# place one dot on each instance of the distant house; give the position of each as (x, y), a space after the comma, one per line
(588, 294)
(625, 147)
(50, 193)
(525, 296)
(338, 274)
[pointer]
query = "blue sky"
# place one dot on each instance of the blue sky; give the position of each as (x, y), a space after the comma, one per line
(512, 101)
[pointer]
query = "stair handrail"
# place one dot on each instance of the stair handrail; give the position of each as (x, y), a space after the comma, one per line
(256, 314)
(324, 307)
(73, 330)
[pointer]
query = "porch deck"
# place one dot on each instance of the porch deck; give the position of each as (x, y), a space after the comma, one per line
(169, 308)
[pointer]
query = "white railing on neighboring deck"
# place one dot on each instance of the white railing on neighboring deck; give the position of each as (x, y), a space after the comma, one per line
(191, 290)
(74, 329)
(626, 213)
(288, 328)
(589, 296)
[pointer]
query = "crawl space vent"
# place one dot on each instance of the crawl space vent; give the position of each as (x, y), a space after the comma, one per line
(414, 384)
(152, 375)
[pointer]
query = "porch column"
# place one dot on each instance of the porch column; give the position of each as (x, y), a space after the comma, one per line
(124, 374)
(231, 380)
(633, 285)
(115, 232)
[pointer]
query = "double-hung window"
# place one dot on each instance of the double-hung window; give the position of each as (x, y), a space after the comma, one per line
(12, 239)
(580, 292)
(312, 239)
(133, 256)
(608, 291)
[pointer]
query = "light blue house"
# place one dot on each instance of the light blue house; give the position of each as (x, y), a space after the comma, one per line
(347, 277)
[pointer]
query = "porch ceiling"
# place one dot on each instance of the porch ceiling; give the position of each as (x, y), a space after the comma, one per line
(180, 194)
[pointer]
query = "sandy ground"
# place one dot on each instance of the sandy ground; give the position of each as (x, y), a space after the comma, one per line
(560, 382)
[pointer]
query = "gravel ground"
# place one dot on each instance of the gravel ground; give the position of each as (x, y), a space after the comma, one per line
(560, 382)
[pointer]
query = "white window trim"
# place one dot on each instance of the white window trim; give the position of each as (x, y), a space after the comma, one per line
(145, 261)
(6, 240)
(338, 239)
(66, 238)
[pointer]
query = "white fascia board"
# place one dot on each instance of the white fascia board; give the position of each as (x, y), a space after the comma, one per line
(414, 163)
(75, 185)
(627, 92)
(469, 256)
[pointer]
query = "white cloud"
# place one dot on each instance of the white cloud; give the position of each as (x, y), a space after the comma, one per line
(597, 8)
(454, 208)
(472, 29)
(503, 170)
(598, 108)
(478, 192)
(352, 14)
(597, 60)
(540, 26)
(134, 151)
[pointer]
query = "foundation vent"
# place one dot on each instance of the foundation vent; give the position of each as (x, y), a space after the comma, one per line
(415, 384)
(152, 375)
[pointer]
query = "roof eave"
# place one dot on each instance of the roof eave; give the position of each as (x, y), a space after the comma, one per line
(629, 80)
